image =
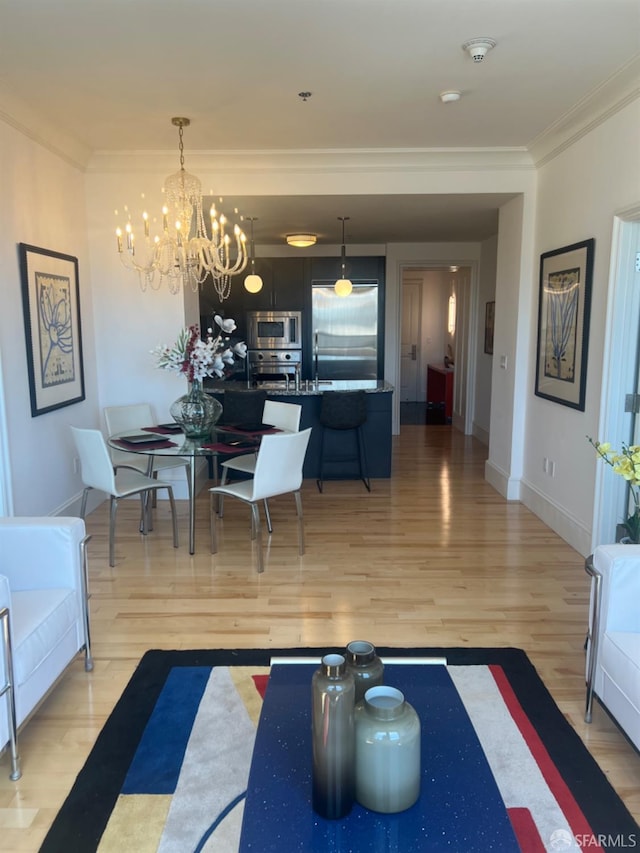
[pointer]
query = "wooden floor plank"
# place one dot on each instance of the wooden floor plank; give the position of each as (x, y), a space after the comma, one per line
(432, 557)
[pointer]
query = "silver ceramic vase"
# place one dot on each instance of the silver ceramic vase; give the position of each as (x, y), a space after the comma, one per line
(365, 666)
(333, 691)
(387, 734)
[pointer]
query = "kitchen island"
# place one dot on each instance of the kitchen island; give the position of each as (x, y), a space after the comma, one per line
(377, 429)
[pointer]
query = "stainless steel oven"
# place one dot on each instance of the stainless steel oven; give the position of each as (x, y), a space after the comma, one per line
(274, 330)
(265, 365)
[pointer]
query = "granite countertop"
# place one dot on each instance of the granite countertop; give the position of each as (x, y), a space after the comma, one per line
(307, 387)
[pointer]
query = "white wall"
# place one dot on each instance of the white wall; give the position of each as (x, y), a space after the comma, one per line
(579, 191)
(484, 362)
(513, 323)
(43, 204)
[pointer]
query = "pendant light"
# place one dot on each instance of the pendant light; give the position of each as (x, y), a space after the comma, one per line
(253, 282)
(343, 286)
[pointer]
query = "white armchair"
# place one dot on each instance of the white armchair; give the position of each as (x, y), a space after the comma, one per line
(613, 647)
(44, 614)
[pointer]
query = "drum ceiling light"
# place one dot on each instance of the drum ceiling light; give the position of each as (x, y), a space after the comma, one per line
(301, 241)
(183, 254)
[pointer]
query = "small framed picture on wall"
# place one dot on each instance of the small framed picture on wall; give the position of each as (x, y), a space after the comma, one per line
(489, 322)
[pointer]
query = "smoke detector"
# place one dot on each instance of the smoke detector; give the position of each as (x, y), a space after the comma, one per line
(478, 48)
(450, 96)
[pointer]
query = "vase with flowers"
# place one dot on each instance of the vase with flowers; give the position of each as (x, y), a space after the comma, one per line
(196, 357)
(626, 463)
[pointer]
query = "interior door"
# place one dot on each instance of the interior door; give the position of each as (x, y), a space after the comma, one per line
(410, 342)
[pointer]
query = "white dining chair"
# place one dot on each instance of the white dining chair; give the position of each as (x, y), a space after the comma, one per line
(284, 416)
(278, 471)
(97, 472)
(133, 417)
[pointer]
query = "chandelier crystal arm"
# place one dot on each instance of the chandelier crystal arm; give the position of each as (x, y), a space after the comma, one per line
(184, 254)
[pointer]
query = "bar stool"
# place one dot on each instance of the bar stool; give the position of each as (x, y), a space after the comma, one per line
(342, 411)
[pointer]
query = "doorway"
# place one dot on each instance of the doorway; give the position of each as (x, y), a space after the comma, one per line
(618, 422)
(434, 332)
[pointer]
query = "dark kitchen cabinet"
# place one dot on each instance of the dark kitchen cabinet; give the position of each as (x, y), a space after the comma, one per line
(287, 287)
(365, 268)
(283, 285)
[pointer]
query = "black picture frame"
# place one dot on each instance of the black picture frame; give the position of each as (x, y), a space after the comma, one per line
(564, 308)
(489, 325)
(53, 333)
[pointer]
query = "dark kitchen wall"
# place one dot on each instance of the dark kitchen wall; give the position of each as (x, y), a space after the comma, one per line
(287, 287)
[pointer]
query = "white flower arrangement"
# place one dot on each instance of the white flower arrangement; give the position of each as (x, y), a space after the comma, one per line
(196, 357)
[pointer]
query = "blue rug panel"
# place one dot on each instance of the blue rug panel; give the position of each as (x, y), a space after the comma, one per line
(156, 764)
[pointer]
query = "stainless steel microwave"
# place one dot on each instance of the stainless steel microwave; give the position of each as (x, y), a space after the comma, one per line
(274, 330)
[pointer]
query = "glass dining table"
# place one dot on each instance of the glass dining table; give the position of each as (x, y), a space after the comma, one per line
(169, 440)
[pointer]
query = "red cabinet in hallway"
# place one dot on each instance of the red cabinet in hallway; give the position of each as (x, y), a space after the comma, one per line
(440, 388)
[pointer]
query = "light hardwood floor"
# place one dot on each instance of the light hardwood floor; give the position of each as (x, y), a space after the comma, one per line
(432, 557)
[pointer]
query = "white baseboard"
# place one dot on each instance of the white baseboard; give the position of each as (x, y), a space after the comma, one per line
(499, 479)
(555, 517)
(72, 507)
(481, 434)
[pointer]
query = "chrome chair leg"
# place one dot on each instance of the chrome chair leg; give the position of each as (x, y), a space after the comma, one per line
(592, 635)
(83, 505)
(255, 516)
(212, 522)
(8, 690)
(223, 480)
(298, 500)
(112, 530)
(267, 516)
(84, 579)
(173, 517)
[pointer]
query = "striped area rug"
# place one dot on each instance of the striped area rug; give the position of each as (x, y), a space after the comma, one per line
(169, 770)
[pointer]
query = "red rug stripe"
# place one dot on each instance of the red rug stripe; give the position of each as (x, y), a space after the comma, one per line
(558, 787)
(526, 831)
(261, 682)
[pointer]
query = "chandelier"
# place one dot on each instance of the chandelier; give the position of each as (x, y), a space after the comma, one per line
(184, 253)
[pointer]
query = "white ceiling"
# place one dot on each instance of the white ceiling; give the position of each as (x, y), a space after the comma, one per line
(111, 74)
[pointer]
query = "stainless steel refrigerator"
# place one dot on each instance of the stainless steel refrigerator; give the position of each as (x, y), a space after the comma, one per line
(345, 331)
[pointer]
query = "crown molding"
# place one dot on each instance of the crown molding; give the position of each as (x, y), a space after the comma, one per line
(369, 160)
(22, 118)
(612, 96)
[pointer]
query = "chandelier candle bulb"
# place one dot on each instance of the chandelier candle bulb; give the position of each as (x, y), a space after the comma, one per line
(119, 239)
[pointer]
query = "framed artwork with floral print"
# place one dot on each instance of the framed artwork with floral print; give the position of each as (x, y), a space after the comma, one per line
(563, 324)
(51, 305)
